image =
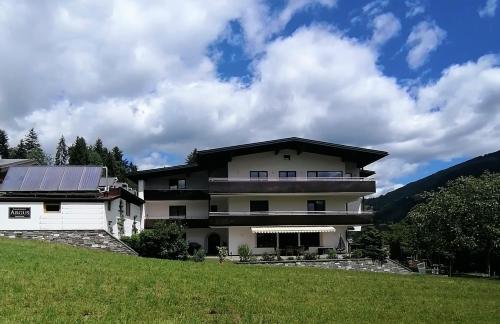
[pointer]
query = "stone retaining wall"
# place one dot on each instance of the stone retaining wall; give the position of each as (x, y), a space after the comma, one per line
(345, 264)
(93, 239)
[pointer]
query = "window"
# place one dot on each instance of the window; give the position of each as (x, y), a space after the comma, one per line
(348, 174)
(287, 174)
(289, 239)
(324, 174)
(52, 207)
(259, 205)
(177, 211)
(177, 184)
(258, 174)
(315, 205)
(127, 208)
(213, 208)
(309, 239)
(286, 156)
(266, 240)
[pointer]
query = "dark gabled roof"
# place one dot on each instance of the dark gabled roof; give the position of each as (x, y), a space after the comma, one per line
(359, 155)
(166, 171)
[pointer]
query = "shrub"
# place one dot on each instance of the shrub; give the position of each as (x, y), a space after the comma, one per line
(199, 255)
(164, 241)
(131, 241)
(356, 254)
(222, 253)
(244, 252)
(332, 254)
(310, 256)
(193, 247)
(267, 257)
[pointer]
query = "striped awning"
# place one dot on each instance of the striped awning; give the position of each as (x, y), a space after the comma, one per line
(292, 229)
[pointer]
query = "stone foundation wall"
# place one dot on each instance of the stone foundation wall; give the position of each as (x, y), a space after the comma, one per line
(345, 264)
(93, 239)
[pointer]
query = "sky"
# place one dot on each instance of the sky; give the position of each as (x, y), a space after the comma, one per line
(419, 79)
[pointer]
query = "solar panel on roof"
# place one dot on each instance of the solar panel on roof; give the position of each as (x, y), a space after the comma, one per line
(33, 179)
(90, 178)
(53, 178)
(14, 179)
(71, 179)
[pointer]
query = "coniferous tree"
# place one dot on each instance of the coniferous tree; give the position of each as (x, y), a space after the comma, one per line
(79, 152)
(20, 151)
(191, 158)
(31, 141)
(4, 144)
(62, 154)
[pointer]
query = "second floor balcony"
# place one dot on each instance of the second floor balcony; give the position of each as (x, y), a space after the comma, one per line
(291, 185)
(328, 217)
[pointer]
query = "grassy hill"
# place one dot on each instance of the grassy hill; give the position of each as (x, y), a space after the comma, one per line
(42, 282)
(393, 206)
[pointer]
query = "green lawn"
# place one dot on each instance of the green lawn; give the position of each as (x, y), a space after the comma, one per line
(42, 282)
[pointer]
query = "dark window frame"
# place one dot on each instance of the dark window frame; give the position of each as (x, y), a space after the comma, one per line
(314, 202)
(214, 208)
(260, 174)
(341, 174)
(127, 208)
(173, 184)
(285, 174)
(266, 240)
(58, 204)
(177, 211)
(255, 208)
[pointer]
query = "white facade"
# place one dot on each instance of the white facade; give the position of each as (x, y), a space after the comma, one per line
(71, 216)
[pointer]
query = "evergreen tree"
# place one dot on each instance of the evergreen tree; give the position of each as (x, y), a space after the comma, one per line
(79, 152)
(31, 142)
(4, 144)
(62, 154)
(99, 148)
(191, 158)
(20, 151)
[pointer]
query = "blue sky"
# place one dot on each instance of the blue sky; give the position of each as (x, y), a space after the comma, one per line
(416, 78)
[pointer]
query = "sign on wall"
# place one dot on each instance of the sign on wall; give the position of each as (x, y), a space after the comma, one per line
(19, 212)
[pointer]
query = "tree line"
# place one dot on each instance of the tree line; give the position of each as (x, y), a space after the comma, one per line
(458, 225)
(79, 153)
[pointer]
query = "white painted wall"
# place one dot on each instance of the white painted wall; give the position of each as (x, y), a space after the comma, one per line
(294, 203)
(72, 216)
(159, 209)
(113, 215)
(240, 166)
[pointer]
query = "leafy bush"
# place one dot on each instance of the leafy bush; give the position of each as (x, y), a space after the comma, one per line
(267, 257)
(193, 247)
(310, 256)
(332, 254)
(244, 252)
(357, 254)
(199, 255)
(222, 253)
(164, 241)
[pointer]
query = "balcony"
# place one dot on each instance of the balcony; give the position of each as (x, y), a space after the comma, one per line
(290, 185)
(290, 218)
(176, 194)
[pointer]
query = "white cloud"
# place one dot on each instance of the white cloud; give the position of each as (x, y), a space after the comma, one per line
(150, 89)
(489, 9)
(385, 27)
(415, 8)
(422, 41)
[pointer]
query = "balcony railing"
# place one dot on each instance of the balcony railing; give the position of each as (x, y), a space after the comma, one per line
(291, 179)
(291, 185)
(328, 217)
(289, 213)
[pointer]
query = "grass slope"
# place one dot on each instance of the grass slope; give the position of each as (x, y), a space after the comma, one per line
(42, 282)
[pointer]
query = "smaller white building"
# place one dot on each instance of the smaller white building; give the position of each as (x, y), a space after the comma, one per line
(66, 198)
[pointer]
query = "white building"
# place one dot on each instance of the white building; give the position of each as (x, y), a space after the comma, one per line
(66, 198)
(290, 194)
